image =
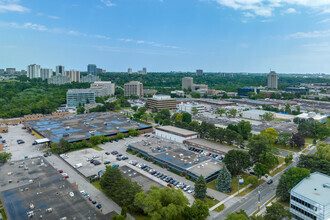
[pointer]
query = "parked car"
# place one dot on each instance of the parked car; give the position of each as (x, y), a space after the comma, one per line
(114, 152)
(93, 201)
(119, 155)
(270, 181)
(60, 171)
(118, 158)
(45, 155)
(107, 162)
(20, 141)
(98, 206)
(107, 153)
(124, 158)
(170, 185)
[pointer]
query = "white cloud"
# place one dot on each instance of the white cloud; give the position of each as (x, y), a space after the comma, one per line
(154, 44)
(108, 3)
(53, 17)
(311, 34)
(290, 11)
(265, 8)
(325, 20)
(12, 6)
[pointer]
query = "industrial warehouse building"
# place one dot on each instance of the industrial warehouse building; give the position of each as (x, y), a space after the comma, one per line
(206, 145)
(82, 127)
(175, 134)
(175, 157)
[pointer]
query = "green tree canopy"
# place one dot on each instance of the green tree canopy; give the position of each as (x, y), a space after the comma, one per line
(4, 157)
(277, 211)
(224, 180)
(200, 188)
(236, 161)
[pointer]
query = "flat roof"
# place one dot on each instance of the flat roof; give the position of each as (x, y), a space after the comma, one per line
(176, 130)
(313, 189)
(205, 144)
(80, 91)
(256, 111)
(174, 153)
(81, 127)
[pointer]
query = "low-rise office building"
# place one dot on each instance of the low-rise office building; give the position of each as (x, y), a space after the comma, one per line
(175, 134)
(103, 88)
(245, 91)
(312, 115)
(133, 88)
(310, 199)
(189, 107)
(161, 102)
(80, 97)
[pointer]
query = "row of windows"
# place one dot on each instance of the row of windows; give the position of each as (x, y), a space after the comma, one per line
(303, 212)
(297, 217)
(304, 203)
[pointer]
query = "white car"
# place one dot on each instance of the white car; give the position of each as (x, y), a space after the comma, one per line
(64, 174)
(71, 194)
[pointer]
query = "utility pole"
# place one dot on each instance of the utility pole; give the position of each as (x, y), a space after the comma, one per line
(259, 200)
(238, 183)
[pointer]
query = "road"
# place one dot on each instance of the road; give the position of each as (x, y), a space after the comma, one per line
(249, 203)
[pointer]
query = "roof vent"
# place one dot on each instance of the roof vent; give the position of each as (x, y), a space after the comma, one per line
(326, 185)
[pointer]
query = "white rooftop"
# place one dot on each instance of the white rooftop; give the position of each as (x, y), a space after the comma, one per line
(161, 96)
(313, 188)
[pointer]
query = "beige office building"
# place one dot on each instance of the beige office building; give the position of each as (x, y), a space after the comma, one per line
(161, 102)
(74, 75)
(272, 80)
(133, 88)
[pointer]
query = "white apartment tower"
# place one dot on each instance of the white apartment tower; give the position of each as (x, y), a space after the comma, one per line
(33, 71)
(272, 80)
(46, 73)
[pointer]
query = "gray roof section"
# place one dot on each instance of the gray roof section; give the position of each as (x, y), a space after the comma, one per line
(313, 189)
(178, 131)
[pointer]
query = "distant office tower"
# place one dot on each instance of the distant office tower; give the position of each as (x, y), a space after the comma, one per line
(103, 88)
(74, 75)
(76, 97)
(133, 88)
(144, 70)
(46, 73)
(60, 70)
(99, 70)
(33, 71)
(272, 79)
(91, 69)
(10, 70)
(89, 78)
(199, 72)
(130, 71)
(2, 71)
(187, 83)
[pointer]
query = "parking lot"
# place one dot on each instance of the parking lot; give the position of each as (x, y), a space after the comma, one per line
(34, 186)
(20, 151)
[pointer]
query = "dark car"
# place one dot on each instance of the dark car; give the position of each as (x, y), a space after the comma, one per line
(114, 152)
(252, 173)
(107, 153)
(118, 158)
(124, 158)
(97, 163)
(270, 181)
(20, 141)
(94, 202)
(92, 161)
(107, 162)
(98, 206)
(45, 155)
(116, 140)
(119, 155)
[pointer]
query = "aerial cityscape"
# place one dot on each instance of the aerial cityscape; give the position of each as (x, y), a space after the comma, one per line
(165, 110)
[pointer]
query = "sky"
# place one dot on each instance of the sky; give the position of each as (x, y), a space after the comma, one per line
(288, 36)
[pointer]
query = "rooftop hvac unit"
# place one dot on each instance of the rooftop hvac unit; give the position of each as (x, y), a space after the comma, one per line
(117, 128)
(67, 128)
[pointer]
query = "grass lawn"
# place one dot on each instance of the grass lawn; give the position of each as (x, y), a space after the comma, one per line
(3, 214)
(250, 188)
(234, 184)
(287, 148)
(281, 168)
(309, 140)
(220, 208)
(210, 202)
(97, 185)
(98, 148)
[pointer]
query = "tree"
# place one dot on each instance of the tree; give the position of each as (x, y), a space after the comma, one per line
(268, 116)
(198, 211)
(186, 117)
(135, 107)
(323, 152)
(268, 158)
(230, 136)
(133, 132)
(253, 180)
(200, 188)
(277, 211)
(244, 129)
(257, 144)
(260, 169)
(233, 112)
(224, 180)
(162, 203)
(288, 158)
(271, 134)
(142, 110)
(236, 161)
(284, 138)
(120, 135)
(288, 180)
(80, 110)
(241, 215)
(297, 140)
(314, 164)
(288, 108)
(4, 157)
(221, 111)
(194, 111)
